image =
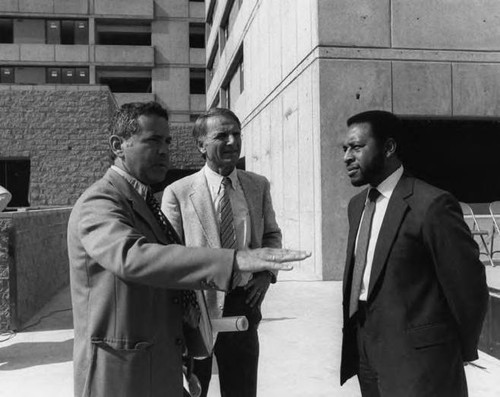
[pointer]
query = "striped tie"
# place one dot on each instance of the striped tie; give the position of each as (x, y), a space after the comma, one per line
(226, 224)
(227, 234)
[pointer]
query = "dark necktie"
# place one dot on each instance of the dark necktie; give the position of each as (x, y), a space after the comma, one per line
(191, 308)
(362, 249)
(226, 223)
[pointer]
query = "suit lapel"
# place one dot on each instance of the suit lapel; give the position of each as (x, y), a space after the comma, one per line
(251, 192)
(138, 204)
(202, 202)
(393, 218)
(358, 204)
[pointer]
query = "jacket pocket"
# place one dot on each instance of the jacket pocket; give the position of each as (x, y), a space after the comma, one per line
(429, 335)
(119, 368)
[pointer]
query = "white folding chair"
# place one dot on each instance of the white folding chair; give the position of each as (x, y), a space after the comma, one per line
(494, 208)
(476, 231)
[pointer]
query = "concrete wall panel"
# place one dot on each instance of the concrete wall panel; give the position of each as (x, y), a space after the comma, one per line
(347, 87)
(71, 6)
(37, 52)
(196, 10)
(421, 88)
(72, 53)
(445, 24)
(288, 35)
(9, 52)
(171, 86)
(308, 174)
(170, 39)
(143, 8)
(274, 71)
(36, 6)
(122, 54)
(364, 23)
(173, 8)
(305, 21)
(9, 6)
(476, 90)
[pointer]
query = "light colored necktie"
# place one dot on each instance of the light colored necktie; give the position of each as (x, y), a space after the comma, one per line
(362, 249)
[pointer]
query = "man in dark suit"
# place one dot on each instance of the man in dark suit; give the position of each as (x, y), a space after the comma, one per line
(415, 294)
(127, 269)
(192, 205)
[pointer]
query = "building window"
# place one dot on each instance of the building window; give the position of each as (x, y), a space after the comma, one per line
(196, 35)
(66, 32)
(125, 80)
(235, 83)
(6, 31)
(228, 20)
(132, 33)
(197, 81)
(15, 177)
(43, 75)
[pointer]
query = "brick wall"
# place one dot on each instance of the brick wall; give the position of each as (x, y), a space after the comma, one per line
(183, 152)
(64, 133)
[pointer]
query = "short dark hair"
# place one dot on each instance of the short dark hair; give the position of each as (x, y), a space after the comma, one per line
(125, 119)
(384, 125)
(200, 125)
(125, 122)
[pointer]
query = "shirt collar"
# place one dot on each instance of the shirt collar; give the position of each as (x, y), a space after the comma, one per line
(138, 186)
(387, 186)
(214, 179)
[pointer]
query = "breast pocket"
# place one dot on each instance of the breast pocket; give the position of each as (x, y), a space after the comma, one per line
(119, 368)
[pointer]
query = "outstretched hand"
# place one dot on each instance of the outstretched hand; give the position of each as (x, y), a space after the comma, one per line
(260, 259)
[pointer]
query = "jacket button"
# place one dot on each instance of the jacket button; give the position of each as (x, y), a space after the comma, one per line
(176, 300)
(178, 341)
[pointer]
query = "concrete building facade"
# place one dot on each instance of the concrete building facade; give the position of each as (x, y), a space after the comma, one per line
(294, 71)
(143, 50)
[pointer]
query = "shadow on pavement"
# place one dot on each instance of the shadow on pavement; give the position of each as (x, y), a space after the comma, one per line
(30, 354)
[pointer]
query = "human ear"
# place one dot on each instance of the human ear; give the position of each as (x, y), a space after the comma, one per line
(201, 147)
(390, 147)
(116, 144)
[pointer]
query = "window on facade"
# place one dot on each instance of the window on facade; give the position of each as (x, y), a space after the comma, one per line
(66, 31)
(120, 34)
(197, 81)
(228, 21)
(125, 80)
(43, 75)
(196, 35)
(6, 31)
(15, 177)
(235, 85)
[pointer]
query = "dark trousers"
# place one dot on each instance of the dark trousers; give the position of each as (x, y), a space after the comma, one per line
(237, 353)
(433, 371)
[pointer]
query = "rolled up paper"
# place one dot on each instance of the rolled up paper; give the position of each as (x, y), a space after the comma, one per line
(230, 324)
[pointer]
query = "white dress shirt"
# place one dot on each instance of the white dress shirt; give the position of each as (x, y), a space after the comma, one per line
(241, 215)
(386, 188)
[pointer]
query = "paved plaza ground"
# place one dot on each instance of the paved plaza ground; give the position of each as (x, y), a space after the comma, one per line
(300, 349)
